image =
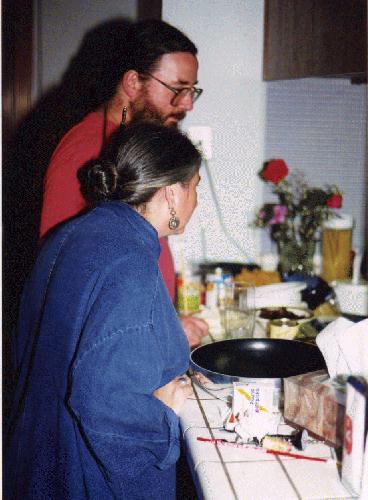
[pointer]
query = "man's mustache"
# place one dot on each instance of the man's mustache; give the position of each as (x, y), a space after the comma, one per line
(177, 116)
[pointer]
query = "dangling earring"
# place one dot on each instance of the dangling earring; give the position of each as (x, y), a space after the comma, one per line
(123, 116)
(174, 221)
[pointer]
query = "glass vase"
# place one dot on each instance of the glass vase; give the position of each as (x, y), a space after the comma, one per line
(296, 257)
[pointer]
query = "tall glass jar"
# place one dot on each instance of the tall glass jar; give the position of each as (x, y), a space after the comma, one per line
(336, 247)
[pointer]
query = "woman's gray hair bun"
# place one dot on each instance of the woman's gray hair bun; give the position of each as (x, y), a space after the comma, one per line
(140, 160)
(98, 180)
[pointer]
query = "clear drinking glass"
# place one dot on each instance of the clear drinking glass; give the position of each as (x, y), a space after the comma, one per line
(238, 310)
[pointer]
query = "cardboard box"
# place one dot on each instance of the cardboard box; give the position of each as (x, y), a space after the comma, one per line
(315, 402)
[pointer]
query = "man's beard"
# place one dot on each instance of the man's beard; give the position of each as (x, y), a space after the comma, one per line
(144, 110)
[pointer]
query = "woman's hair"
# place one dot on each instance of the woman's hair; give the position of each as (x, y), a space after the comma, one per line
(143, 158)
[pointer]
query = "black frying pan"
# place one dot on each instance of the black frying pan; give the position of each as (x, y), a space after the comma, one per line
(231, 360)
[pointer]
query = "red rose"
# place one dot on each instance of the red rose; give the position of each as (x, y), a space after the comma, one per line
(335, 201)
(275, 171)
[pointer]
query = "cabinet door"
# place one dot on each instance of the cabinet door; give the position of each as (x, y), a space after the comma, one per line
(305, 38)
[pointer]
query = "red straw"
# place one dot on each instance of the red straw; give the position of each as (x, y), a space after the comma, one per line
(259, 448)
(295, 455)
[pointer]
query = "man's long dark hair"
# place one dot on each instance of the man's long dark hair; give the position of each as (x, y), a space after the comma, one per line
(148, 41)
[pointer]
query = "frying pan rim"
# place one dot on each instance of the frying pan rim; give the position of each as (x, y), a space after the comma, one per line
(257, 340)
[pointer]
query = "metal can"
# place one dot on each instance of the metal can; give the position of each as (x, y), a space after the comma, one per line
(283, 329)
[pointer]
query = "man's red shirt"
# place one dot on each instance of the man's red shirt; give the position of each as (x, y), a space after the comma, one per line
(62, 198)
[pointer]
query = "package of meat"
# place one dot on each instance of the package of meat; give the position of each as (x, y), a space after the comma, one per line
(315, 402)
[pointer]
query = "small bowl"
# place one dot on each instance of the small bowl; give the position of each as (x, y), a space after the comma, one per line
(298, 314)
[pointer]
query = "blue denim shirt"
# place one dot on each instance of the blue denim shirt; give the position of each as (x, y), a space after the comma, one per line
(97, 334)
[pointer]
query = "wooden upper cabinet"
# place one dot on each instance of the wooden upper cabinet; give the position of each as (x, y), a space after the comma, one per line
(305, 38)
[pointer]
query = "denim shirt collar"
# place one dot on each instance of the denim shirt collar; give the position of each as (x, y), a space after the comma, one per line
(143, 228)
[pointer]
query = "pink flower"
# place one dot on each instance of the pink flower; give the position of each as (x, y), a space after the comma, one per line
(279, 214)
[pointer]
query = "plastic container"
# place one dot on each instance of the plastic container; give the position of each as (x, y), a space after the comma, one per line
(352, 298)
(215, 283)
(336, 247)
(188, 294)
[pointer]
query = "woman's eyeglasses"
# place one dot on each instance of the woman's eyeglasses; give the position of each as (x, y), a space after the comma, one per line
(181, 93)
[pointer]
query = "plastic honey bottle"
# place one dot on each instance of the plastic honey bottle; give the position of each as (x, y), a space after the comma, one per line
(188, 293)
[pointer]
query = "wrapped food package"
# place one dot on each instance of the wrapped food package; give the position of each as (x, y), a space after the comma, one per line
(315, 402)
(255, 410)
(258, 277)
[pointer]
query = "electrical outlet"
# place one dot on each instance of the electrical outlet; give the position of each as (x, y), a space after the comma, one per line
(202, 138)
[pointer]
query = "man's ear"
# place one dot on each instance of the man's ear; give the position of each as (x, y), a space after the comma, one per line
(131, 84)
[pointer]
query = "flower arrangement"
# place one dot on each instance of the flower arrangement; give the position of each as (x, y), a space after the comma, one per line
(295, 221)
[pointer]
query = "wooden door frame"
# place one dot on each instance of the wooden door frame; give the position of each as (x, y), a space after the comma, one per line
(17, 63)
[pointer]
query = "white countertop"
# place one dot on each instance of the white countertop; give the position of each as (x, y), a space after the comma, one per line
(222, 472)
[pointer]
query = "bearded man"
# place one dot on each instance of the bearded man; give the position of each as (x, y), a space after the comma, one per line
(157, 78)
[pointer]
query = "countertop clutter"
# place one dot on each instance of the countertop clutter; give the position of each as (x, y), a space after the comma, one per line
(229, 471)
(227, 463)
(234, 412)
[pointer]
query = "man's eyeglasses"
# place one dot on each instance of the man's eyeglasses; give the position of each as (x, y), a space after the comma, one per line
(181, 93)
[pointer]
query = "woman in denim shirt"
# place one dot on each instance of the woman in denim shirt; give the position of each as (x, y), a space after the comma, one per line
(99, 353)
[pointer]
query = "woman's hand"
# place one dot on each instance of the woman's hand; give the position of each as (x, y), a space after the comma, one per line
(195, 329)
(175, 393)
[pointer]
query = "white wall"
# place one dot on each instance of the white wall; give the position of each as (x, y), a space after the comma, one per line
(60, 26)
(229, 37)
(318, 126)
